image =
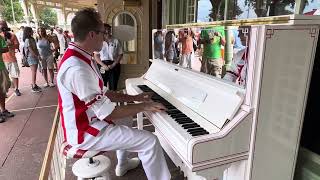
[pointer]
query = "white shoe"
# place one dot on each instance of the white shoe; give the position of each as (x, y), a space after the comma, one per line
(52, 85)
(132, 163)
(45, 85)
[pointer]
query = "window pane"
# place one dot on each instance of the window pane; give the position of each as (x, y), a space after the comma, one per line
(243, 9)
(210, 10)
(312, 7)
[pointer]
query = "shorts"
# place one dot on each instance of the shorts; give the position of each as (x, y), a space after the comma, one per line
(13, 69)
(214, 67)
(5, 82)
(32, 61)
(47, 62)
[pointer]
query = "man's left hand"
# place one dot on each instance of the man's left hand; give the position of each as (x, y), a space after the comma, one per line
(144, 97)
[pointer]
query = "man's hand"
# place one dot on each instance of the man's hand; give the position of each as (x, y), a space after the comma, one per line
(144, 97)
(9, 43)
(154, 107)
(217, 34)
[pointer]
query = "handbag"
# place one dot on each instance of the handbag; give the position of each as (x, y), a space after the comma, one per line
(24, 60)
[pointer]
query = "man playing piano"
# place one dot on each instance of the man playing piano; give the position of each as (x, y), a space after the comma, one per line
(89, 117)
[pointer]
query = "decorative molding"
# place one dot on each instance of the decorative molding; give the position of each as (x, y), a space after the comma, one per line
(269, 33)
(313, 32)
(131, 2)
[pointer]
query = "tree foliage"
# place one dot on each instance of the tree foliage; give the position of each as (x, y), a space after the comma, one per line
(6, 10)
(261, 7)
(218, 6)
(48, 16)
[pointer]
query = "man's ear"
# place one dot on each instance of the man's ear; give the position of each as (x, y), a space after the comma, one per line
(91, 34)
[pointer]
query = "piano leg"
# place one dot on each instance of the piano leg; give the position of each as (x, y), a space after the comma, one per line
(140, 120)
(237, 171)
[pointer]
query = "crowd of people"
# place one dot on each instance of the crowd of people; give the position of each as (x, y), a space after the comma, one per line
(204, 46)
(38, 50)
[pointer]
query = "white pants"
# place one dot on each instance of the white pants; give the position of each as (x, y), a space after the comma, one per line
(186, 60)
(122, 137)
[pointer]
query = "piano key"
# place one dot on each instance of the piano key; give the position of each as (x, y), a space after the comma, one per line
(192, 125)
(172, 112)
(199, 129)
(178, 115)
(182, 119)
(170, 107)
(199, 133)
(184, 122)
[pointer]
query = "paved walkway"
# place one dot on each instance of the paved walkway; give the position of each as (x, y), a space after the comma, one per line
(24, 137)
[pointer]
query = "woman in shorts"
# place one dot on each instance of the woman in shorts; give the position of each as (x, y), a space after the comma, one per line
(44, 46)
(31, 53)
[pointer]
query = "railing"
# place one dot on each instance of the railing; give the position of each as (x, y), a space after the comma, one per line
(54, 163)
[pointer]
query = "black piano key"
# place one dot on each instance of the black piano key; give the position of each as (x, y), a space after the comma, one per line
(192, 125)
(178, 116)
(192, 128)
(183, 118)
(199, 129)
(199, 133)
(172, 112)
(170, 107)
(184, 122)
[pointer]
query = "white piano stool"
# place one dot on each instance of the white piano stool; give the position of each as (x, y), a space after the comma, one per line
(98, 170)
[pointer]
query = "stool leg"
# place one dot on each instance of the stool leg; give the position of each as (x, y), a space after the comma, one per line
(102, 178)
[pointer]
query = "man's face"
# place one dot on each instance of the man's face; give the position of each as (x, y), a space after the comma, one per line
(3, 24)
(98, 38)
(108, 31)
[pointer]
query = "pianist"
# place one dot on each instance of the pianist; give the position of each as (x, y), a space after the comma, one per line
(90, 120)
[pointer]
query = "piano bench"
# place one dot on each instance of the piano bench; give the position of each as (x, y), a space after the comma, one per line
(91, 164)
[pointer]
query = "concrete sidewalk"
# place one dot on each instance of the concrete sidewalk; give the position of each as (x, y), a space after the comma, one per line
(24, 137)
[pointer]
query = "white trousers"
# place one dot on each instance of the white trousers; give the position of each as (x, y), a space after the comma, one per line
(123, 138)
(186, 60)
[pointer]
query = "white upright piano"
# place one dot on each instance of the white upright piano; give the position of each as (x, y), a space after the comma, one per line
(216, 129)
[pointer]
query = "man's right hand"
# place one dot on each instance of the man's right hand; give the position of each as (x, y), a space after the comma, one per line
(153, 107)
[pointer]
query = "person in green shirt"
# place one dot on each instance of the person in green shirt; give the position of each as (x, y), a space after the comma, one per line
(212, 39)
(4, 82)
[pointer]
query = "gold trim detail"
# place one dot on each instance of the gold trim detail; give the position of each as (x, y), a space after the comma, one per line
(242, 22)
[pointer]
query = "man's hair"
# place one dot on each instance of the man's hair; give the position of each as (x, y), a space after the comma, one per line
(107, 26)
(85, 20)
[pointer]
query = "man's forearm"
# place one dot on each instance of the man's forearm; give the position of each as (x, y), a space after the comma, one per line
(4, 50)
(117, 61)
(119, 97)
(98, 60)
(125, 111)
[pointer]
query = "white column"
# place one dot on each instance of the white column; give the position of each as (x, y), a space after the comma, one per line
(34, 14)
(25, 10)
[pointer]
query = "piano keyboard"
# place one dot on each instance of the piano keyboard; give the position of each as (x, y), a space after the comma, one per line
(179, 117)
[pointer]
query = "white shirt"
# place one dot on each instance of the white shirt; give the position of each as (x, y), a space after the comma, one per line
(62, 43)
(80, 88)
(111, 50)
(19, 35)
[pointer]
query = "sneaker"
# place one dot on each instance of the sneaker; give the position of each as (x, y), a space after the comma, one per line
(52, 85)
(35, 88)
(17, 92)
(45, 85)
(132, 163)
(7, 114)
(2, 118)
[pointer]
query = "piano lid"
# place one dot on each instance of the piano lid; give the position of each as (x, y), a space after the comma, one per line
(214, 99)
